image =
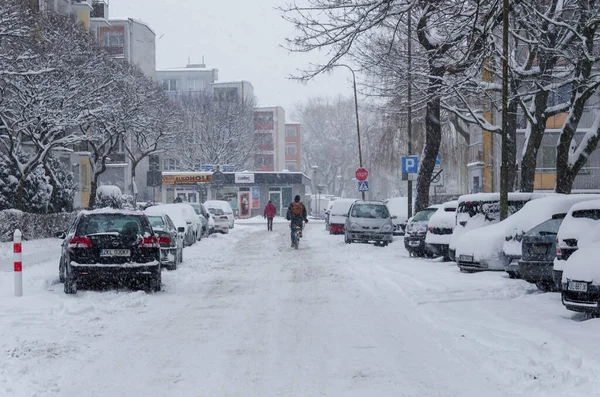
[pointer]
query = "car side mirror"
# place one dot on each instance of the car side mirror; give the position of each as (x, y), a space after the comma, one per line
(395, 217)
(60, 234)
(181, 229)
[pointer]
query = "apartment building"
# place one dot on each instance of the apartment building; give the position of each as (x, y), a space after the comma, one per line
(269, 135)
(233, 91)
(293, 147)
(193, 79)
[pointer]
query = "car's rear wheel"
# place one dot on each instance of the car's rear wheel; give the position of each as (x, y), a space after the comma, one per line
(70, 286)
(347, 240)
(155, 283)
(61, 270)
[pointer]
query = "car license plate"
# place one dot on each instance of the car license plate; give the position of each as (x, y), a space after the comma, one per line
(414, 243)
(115, 252)
(465, 258)
(577, 286)
(539, 249)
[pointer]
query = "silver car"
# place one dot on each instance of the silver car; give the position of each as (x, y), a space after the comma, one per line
(369, 221)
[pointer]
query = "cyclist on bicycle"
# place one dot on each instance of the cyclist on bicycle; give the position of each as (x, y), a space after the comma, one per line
(296, 214)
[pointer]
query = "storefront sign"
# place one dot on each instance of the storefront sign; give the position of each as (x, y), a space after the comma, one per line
(244, 178)
(189, 179)
(255, 197)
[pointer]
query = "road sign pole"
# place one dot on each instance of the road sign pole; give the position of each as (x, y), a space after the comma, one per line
(18, 263)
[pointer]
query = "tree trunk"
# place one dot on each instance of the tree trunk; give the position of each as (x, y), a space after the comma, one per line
(20, 201)
(433, 138)
(93, 190)
(512, 144)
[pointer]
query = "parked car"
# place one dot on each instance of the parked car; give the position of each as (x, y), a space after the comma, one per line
(580, 220)
(327, 214)
(339, 214)
(225, 207)
(581, 277)
(479, 210)
(538, 250)
(439, 230)
(181, 217)
(211, 224)
(221, 220)
(532, 214)
(202, 213)
(398, 207)
(369, 221)
(109, 246)
(416, 231)
(170, 239)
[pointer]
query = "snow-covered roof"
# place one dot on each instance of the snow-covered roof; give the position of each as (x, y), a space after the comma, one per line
(128, 20)
(186, 69)
(516, 196)
(586, 205)
(109, 210)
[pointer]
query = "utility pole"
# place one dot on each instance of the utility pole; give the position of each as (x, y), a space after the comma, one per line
(409, 119)
(505, 165)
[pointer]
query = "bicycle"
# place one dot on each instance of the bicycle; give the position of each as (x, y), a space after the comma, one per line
(297, 235)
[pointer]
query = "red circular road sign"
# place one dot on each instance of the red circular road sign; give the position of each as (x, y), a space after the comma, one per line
(362, 174)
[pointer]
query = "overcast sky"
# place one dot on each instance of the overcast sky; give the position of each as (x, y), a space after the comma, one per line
(241, 38)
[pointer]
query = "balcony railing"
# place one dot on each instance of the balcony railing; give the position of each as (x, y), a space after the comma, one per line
(476, 152)
(115, 50)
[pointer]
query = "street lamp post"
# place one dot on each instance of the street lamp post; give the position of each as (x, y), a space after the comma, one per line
(356, 111)
(315, 168)
(504, 166)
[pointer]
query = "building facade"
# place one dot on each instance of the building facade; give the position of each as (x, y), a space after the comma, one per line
(269, 135)
(293, 147)
(233, 90)
(193, 79)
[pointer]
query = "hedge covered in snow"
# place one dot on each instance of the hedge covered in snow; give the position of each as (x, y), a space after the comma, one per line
(33, 226)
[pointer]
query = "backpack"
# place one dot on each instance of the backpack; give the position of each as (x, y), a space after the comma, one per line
(297, 209)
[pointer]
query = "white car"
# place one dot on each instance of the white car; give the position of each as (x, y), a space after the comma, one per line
(479, 210)
(220, 219)
(398, 207)
(576, 228)
(225, 207)
(182, 215)
(440, 228)
(581, 276)
(339, 213)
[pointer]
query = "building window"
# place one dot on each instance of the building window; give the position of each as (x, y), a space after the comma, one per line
(170, 85)
(84, 177)
(171, 165)
(291, 150)
(548, 158)
(292, 167)
(291, 132)
(264, 161)
(264, 141)
(113, 39)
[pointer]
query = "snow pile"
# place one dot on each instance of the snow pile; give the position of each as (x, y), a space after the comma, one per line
(583, 265)
(485, 245)
(33, 226)
(108, 191)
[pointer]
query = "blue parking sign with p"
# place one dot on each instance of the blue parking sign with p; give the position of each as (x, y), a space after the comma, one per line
(410, 164)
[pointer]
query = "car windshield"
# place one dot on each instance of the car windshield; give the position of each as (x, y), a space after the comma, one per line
(424, 215)
(156, 221)
(197, 209)
(587, 213)
(373, 211)
(216, 211)
(111, 224)
(490, 209)
(547, 228)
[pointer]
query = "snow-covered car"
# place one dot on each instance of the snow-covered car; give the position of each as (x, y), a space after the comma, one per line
(328, 213)
(179, 214)
(581, 276)
(416, 230)
(220, 219)
(369, 221)
(339, 213)
(479, 210)
(109, 245)
(225, 207)
(580, 221)
(202, 213)
(211, 224)
(532, 214)
(439, 229)
(170, 239)
(398, 207)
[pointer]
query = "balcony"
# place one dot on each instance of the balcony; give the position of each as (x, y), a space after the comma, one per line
(116, 51)
(476, 153)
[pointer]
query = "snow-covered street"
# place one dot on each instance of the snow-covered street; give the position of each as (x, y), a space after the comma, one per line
(245, 315)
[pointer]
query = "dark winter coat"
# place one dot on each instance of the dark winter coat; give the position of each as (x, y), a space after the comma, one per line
(296, 219)
(270, 211)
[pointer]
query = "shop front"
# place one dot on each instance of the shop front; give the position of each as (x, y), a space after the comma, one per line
(246, 192)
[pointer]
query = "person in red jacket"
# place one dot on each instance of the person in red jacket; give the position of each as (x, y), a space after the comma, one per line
(269, 213)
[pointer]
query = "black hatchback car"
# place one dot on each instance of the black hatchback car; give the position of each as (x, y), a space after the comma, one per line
(108, 246)
(538, 252)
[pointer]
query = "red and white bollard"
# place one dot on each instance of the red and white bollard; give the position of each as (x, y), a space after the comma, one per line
(18, 263)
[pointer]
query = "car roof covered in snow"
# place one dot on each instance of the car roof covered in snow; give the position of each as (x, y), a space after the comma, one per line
(109, 210)
(514, 196)
(341, 206)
